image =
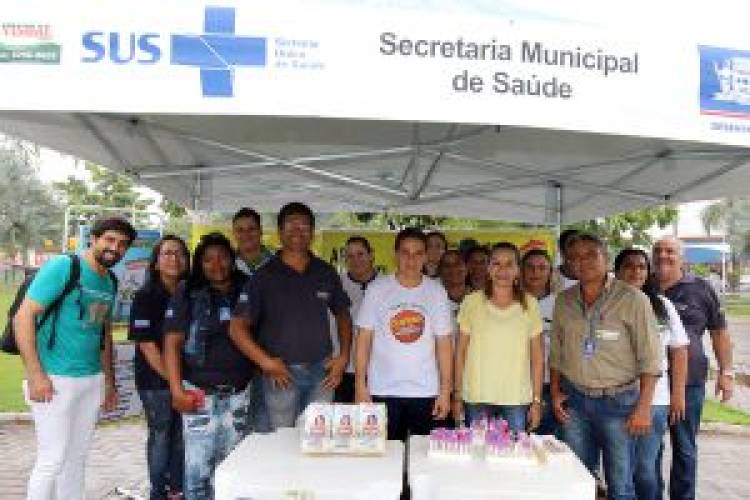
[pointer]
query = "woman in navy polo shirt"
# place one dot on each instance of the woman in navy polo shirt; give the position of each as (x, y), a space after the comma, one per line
(164, 452)
(208, 377)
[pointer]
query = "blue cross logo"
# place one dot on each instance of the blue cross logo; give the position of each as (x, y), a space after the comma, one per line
(218, 51)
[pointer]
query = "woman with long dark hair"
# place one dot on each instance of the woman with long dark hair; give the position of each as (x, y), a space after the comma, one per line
(536, 278)
(209, 378)
(164, 451)
(499, 361)
(632, 265)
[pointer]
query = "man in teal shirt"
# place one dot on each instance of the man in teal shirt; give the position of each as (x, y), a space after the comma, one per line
(70, 379)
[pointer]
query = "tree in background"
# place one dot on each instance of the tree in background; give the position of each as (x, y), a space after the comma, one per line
(732, 215)
(629, 228)
(106, 188)
(394, 221)
(29, 213)
(178, 220)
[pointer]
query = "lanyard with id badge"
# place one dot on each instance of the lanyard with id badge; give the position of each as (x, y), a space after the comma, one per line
(593, 319)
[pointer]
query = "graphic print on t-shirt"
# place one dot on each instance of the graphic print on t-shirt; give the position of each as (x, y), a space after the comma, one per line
(408, 324)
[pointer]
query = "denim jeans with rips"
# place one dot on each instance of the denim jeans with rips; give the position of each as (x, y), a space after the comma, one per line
(210, 434)
(285, 405)
(165, 453)
(597, 425)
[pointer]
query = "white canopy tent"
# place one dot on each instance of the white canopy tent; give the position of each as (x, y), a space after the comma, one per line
(383, 110)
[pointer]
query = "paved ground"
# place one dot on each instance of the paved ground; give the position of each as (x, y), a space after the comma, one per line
(117, 459)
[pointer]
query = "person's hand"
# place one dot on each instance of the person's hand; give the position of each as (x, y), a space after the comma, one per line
(361, 394)
(534, 415)
(639, 422)
(676, 408)
(40, 388)
(335, 367)
(110, 397)
(442, 406)
(724, 387)
(458, 410)
(184, 401)
(558, 408)
(276, 369)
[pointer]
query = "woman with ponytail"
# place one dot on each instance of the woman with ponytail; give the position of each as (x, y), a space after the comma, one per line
(499, 362)
(633, 267)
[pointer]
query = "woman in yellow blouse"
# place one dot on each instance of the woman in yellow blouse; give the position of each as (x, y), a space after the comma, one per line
(499, 362)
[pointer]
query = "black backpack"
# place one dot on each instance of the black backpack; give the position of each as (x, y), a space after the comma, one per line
(8, 342)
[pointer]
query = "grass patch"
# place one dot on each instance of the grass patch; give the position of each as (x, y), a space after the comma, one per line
(738, 310)
(713, 411)
(11, 367)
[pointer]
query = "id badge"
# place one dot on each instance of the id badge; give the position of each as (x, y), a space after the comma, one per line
(225, 314)
(589, 347)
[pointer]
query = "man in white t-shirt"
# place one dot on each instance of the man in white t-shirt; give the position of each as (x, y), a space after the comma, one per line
(404, 349)
(359, 273)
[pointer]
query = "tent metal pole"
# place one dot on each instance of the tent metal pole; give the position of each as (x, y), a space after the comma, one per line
(108, 146)
(728, 167)
(629, 175)
(542, 177)
(396, 195)
(192, 169)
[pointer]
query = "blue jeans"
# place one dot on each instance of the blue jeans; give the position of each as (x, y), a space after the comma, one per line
(165, 454)
(548, 423)
(684, 447)
(306, 386)
(649, 483)
(210, 435)
(258, 414)
(514, 414)
(598, 425)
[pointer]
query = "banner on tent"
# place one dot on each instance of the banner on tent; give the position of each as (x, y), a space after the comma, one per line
(329, 244)
(285, 58)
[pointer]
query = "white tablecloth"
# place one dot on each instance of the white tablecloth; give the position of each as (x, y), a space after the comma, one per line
(443, 478)
(271, 466)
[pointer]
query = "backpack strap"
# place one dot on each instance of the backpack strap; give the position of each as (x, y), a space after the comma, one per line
(72, 283)
(113, 279)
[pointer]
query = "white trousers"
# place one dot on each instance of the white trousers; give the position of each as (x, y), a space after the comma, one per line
(64, 428)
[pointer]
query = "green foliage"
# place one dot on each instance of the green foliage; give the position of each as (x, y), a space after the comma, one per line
(629, 228)
(105, 189)
(701, 270)
(733, 216)
(29, 213)
(385, 221)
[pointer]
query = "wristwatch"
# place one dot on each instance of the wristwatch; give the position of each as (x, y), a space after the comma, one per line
(727, 373)
(536, 399)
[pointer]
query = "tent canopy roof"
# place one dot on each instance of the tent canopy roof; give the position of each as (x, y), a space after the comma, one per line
(492, 172)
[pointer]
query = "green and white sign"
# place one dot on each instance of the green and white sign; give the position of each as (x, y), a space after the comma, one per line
(28, 43)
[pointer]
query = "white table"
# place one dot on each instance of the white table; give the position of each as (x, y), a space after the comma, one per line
(444, 478)
(271, 466)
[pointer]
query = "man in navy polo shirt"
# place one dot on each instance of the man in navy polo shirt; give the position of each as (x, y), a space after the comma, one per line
(699, 309)
(281, 321)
